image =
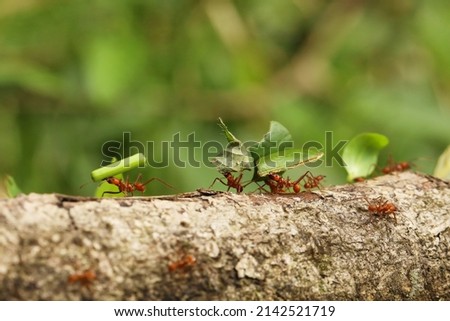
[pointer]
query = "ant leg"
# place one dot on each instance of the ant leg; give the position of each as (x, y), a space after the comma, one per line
(309, 180)
(237, 184)
(307, 174)
(246, 184)
(159, 180)
(395, 217)
(261, 188)
(215, 180)
(128, 188)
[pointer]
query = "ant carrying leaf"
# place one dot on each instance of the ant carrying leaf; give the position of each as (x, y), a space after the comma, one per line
(126, 188)
(235, 159)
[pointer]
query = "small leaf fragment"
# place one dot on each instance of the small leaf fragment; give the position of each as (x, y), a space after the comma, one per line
(12, 189)
(442, 169)
(230, 137)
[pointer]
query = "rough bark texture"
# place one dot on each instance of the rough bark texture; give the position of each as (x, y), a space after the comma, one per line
(311, 246)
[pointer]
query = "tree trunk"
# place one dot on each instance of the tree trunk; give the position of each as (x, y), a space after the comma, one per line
(207, 245)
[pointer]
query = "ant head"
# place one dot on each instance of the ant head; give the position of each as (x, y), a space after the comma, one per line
(404, 165)
(191, 259)
(227, 174)
(296, 188)
(275, 177)
(113, 180)
(139, 187)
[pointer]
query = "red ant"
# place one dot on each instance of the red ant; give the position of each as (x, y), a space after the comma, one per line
(185, 262)
(279, 185)
(123, 187)
(381, 207)
(313, 181)
(85, 279)
(395, 167)
(232, 182)
(128, 188)
(359, 179)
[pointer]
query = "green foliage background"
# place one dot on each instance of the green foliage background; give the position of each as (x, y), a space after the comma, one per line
(76, 74)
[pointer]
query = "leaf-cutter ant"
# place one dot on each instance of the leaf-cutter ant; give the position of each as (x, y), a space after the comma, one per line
(392, 166)
(280, 185)
(313, 181)
(129, 188)
(85, 279)
(232, 182)
(381, 208)
(181, 265)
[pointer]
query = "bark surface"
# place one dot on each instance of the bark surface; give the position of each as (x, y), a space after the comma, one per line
(207, 245)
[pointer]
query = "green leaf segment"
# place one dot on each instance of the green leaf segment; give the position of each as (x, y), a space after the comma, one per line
(361, 154)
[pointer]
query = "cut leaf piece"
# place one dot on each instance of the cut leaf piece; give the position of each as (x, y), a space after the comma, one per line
(276, 139)
(281, 161)
(11, 187)
(230, 137)
(442, 169)
(234, 159)
(361, 154)
(119, 167)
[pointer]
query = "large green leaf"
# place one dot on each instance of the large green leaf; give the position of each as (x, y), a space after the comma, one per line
(361, 154)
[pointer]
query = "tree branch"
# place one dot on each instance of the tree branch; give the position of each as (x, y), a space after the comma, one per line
(220, 246)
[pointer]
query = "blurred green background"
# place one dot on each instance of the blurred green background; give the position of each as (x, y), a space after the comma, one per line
(76, 74)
